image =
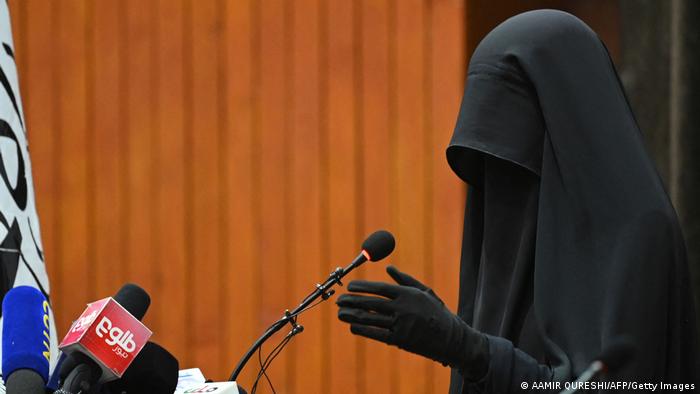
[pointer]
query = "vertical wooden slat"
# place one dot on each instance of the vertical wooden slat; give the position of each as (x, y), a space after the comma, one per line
(288, 204)
(223, 129)
(392, 153)
(138, 138)
(429, 159)
(273, 143)
(306, 190)
(240, 314)
(155, 265)
(90, 155)
(188, 175)
(122, 149)
(37, 80)
(359, 168)
(256, 164)
(72, 136)
(448, 70)
(204, 163)
(108, 250)
(343, 242)
(377, 168)
(170, 191)
(324, 180)
(410, 167)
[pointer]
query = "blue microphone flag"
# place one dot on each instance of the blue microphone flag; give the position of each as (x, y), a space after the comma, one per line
(25, 331)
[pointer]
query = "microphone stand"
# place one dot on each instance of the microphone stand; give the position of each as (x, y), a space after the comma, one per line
(323, 291)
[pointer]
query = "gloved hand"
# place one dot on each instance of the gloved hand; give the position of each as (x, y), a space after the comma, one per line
(411, 316)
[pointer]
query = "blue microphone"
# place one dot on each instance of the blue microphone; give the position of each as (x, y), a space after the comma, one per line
(25, 340)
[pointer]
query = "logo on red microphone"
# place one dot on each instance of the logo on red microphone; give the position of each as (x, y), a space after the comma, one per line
(116, 336)
(84, 322)
(109, 334)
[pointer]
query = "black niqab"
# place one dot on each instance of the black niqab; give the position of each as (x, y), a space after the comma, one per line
(570, 240)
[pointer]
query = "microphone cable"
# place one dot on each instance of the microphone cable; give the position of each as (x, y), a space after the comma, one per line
(268, 361)
(297, 329)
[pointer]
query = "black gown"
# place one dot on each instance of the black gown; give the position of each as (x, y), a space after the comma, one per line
(570, 241)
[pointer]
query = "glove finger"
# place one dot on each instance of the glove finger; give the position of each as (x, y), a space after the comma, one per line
(378, 334)
(367, 303)
(379, 288)
(404, 279)
(407, 280)
(359, 316)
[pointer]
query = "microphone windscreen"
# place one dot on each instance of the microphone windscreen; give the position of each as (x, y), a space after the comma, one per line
(70, 361)
(134, 299)
(25, 381)
(25, 332)
(154, 371)
(379, 245)
(617, 353)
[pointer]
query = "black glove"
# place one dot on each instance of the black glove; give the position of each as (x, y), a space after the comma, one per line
(412, 317)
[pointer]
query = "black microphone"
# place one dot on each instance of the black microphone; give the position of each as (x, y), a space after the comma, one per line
(25, 341)
(134, 299)
(378, 245)
(154, 371)
(79, 373)
(610, 360)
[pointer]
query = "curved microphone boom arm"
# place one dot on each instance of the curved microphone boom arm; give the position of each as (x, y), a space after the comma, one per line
(376, 247)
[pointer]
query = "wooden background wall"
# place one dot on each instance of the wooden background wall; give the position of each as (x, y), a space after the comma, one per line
(227, 155)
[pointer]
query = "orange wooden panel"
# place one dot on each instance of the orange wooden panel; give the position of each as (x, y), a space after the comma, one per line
(233, 154)
(409, 141)
(202, 153)
(242, 302)
(107, 144)
(429, 142)
(447, 72)
(305, 192)
(324, 158)
(71, 238)
(37, 77)
(89, 146)
(340, 144)
(137, 139)
(375, 143)
(171, 295)
(270, 157)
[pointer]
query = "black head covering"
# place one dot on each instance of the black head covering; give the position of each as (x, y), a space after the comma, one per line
(570, 240)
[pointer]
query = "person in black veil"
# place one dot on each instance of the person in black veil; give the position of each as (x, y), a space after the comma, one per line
(570, 241)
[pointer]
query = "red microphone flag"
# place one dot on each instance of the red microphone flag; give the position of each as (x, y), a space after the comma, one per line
(109, 334)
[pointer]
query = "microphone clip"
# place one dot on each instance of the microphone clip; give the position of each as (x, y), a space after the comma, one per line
(336, 275)
(296, 327)
(325, 294)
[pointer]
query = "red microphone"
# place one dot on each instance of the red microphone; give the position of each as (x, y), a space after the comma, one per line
(109, 334)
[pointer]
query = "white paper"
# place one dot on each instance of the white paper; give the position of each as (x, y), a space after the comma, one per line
(215, 388)
(189, 377)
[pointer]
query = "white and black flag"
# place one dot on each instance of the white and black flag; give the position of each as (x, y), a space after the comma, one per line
(21, 251)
